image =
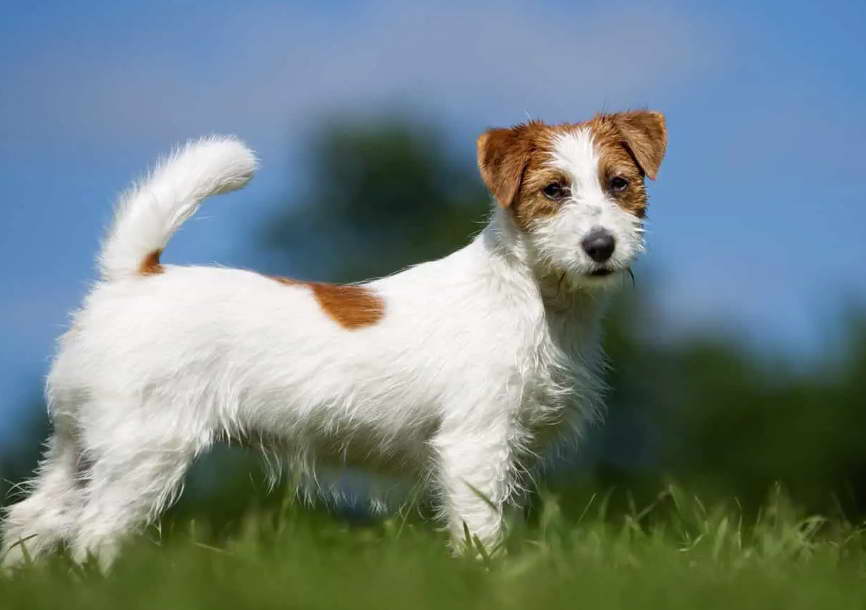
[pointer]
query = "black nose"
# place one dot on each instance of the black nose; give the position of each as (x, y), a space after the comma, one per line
(599, 244)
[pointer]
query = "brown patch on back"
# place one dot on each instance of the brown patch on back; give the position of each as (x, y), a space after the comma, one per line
(151, 265)
(350, 305)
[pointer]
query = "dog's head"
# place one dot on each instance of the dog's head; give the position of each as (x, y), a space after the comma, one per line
(576, 191)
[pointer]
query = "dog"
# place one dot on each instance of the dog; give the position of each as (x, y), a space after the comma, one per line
(462, 370)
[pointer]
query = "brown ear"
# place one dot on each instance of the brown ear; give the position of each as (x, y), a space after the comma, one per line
(502, 157)
(645, 134)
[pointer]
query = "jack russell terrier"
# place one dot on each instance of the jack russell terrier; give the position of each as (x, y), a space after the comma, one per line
(460, 370)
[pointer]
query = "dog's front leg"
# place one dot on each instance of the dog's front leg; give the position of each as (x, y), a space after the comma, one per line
(476, 477)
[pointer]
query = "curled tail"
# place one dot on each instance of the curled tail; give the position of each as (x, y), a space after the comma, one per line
(152, 210)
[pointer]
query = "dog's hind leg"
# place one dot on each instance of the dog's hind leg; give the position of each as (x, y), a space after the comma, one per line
(134, 476)
(46, 517)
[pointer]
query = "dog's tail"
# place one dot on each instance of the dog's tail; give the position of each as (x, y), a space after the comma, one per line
(152, 210)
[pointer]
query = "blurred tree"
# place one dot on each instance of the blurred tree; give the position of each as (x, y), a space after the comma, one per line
(724, 421)
(381, 195)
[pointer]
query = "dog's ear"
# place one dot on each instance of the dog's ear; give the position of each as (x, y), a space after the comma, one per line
(502, 158)
(645, 135)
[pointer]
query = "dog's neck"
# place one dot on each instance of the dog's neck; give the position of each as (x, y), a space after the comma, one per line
(513, 261)
(561, 325)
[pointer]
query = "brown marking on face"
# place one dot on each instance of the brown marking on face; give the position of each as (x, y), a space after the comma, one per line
(151, 265)
(514, 163)
(646, 137)
(511, 162)
(630, 145)
(615, 160)
(350, 305)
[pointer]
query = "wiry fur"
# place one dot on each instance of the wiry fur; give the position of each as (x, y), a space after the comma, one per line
(479, 362)
(150, 212)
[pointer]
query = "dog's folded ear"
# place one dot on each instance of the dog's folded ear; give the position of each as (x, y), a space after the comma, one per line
(645, 135)
(502, 158)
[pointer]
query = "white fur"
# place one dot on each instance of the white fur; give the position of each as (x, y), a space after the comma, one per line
(150, 212)
(481, 361)
(556, 239)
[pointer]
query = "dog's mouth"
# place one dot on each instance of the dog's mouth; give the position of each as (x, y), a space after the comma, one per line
(602, 272)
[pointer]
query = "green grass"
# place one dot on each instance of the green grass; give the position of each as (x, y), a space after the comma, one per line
(675, 553)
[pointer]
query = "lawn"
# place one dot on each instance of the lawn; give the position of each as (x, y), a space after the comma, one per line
(674, 553)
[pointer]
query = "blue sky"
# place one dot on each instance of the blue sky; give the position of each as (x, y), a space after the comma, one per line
(757, 219)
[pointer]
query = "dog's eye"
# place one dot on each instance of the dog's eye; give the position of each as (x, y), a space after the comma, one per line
(618, 184)
(555, 191)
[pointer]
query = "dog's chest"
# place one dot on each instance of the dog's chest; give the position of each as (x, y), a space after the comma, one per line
(562, 383)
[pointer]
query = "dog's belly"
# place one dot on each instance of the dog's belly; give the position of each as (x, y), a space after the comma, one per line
(401, 455)
(345, 420)
(363, 447)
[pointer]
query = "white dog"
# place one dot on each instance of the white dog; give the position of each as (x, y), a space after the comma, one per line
(461, 370)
